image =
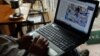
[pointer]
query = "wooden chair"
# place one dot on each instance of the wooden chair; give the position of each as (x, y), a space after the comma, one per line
(19, 28)
(36, 13)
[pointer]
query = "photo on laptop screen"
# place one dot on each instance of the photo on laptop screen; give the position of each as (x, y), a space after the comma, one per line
(77, 14)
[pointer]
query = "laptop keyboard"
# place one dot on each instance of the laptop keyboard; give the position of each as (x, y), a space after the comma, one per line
(57, 37)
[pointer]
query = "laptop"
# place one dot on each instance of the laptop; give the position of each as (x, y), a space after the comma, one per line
(72, 25)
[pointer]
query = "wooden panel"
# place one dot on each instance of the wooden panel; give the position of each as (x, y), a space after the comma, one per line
(6, 11)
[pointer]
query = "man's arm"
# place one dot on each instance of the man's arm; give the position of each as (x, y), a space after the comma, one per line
(24, 42)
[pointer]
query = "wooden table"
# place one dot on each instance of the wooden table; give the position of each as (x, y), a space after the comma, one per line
(6, 11)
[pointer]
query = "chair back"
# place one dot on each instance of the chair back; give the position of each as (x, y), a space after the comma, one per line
(29, 1)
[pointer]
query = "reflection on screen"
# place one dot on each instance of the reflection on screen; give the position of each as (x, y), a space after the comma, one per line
(77, 14)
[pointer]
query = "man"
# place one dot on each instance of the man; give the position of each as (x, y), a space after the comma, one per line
(39, 47)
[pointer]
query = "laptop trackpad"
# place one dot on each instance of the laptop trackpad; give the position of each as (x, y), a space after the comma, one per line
(52, 52)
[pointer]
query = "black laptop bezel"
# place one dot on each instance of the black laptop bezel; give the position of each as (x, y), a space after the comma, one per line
(82, 34)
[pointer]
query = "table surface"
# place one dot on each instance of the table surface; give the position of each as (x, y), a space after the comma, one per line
(6, 11)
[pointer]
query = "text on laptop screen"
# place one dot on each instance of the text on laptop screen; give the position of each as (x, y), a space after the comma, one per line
(77, 14)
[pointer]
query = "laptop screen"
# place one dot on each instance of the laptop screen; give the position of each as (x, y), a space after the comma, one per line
(77, 14)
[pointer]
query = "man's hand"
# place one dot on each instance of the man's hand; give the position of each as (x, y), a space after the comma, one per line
(25, 42)
(39, 46)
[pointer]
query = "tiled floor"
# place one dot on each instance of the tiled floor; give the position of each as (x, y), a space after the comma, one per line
(93, 49)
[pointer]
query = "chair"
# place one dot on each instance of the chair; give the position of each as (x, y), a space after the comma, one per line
(35, 15)
(30, 22)
(19, 29)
